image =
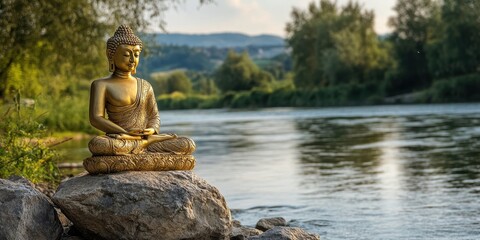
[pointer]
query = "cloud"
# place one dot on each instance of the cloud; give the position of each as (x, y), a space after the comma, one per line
(244, 6)
(250, 14)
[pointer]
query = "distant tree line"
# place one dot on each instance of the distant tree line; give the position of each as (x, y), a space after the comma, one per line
(199, 59)
(338, 59)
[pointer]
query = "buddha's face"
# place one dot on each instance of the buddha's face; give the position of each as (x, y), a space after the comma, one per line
(126, 57)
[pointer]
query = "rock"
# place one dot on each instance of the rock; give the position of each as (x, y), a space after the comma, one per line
(45, 188)
(241, 232)
(236, 223)
(265, 224)
(63, 219)
(144, 205)
(22, 180)
(71, 233)
(26, 213)
(285, 233)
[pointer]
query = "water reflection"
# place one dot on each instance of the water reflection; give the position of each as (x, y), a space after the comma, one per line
(392, 176)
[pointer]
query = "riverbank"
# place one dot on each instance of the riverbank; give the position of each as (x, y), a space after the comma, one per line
(451, 90)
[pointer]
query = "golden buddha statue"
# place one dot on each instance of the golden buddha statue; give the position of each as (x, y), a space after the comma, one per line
(133, 140)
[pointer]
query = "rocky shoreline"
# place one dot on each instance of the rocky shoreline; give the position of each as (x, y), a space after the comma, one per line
(128, 205)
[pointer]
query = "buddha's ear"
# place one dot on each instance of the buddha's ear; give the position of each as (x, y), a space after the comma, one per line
(111, 66)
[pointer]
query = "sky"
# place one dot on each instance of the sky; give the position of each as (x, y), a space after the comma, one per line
(254, 17)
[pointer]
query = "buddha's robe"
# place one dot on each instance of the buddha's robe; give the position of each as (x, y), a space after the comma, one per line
(143, 113)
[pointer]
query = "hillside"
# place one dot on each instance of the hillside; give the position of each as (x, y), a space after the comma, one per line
(219, 40)
(205, 52)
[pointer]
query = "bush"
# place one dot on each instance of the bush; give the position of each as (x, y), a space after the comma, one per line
(242, 100)
(22, 151)
(281, 98)
(178, 100)
(283, 95)
(456, 89)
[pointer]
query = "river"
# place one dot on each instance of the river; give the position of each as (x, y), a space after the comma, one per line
(380, 172)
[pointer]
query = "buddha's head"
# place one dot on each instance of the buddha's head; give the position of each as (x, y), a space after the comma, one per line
(123, 50)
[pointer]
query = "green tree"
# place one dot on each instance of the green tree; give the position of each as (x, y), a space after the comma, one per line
(361, 56)
(332, 45)
(203, 83)
(170, 82)
(239, 73)
(65, 38)
(416, 25)
(278, 66)
(308, 36)
(179, 82)
(457, 51)
(207, 86)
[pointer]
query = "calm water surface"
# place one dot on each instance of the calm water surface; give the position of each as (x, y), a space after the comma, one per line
(386, 172)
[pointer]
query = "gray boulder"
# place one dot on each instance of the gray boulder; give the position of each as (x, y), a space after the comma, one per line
(265, 224)
(285, 233)
(240, 232)
(26, 213)
(144, 205)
